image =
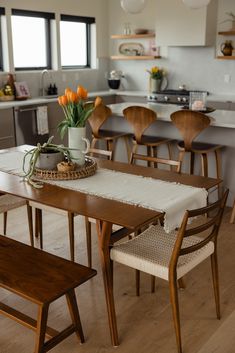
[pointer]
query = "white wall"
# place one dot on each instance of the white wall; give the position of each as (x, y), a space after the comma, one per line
(196, 67)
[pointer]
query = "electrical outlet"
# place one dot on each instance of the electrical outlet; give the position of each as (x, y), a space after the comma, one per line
(64, 78)
(76, 76)
(227, 78)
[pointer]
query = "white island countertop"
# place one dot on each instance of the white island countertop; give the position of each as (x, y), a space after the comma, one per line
(219, 118)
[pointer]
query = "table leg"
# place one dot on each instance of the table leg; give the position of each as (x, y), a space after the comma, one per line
(104, 230)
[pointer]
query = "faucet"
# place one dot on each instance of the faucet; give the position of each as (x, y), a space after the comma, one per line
(42, 88)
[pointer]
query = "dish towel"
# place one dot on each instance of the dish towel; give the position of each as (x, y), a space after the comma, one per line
(42, 120)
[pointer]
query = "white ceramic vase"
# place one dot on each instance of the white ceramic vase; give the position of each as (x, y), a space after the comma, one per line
(156, 85)
(79, 144)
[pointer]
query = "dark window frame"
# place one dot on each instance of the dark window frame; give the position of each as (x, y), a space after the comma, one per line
(48, 17)
(2, 12)
(88, 22)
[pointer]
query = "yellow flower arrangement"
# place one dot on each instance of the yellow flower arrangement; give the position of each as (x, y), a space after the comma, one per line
(156, 73)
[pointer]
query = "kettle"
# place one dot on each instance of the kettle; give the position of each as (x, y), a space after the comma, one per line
(226, 48)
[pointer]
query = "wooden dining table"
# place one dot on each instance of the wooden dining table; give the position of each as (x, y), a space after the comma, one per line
(106, 211)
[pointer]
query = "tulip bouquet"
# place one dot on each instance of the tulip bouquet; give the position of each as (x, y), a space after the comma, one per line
(76, 109)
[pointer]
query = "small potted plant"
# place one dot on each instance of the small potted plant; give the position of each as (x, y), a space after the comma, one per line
(156, 78)
(45, 156)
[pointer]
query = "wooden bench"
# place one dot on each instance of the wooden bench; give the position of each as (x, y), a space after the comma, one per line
(41, 278)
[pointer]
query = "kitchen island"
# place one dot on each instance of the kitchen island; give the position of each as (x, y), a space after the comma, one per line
(221, 131)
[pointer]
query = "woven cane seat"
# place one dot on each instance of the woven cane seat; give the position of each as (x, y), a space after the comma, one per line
(9, 202)
(151, 252)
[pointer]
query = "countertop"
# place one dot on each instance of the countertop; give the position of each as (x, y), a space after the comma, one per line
(46, 100)
(219, 118)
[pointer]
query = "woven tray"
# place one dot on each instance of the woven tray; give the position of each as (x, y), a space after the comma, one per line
(88, 169)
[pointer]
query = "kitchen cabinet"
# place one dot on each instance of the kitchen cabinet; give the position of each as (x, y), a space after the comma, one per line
(134, 57)
(223, 57)
(178, 25)
(132, 99)
(7, 130)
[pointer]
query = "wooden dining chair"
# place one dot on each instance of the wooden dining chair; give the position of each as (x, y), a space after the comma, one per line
(70, 215)
(96, 120)
(155, 160)
(140, 118)
(177, 168)
(190, 124)
(171, 256)
(10, 202)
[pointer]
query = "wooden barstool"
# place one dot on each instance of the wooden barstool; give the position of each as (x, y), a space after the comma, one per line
(141, 118)
(191, 124)
(100, 114)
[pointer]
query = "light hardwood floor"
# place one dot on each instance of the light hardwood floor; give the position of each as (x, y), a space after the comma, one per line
(144, 323)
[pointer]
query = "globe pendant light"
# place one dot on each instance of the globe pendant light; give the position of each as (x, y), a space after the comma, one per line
(133, 6)
(196, 4)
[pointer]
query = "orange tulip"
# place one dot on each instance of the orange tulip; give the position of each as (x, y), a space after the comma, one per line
(62, 100)
(72, 97)
(82, 92)
(67, 90)
(98, 101)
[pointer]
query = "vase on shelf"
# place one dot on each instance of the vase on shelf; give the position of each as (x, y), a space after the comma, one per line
(78, 143)
(226, 48)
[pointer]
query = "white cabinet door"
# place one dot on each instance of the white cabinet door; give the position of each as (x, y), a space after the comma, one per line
(178, 25)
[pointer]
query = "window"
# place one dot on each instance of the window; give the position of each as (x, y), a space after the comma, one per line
(2, 12)
(31, 39)
(75, 41)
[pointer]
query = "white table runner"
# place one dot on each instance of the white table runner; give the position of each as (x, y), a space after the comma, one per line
(158, 195)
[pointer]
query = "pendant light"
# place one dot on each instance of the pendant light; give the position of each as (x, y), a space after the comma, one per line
(133, 6)
(196, 4)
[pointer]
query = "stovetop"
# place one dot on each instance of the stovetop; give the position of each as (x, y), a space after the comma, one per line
(170, 96)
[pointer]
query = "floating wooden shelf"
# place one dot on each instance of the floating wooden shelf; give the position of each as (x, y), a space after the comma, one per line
(227, 33)
(132, 57)
(132, 36)
(230, 57)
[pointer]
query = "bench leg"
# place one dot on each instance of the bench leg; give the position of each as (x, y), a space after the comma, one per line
(74, 313)
(41, 328)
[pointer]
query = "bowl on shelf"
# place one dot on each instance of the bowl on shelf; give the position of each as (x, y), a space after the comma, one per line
(141, 31)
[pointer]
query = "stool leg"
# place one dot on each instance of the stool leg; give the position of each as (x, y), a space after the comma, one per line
(152, 284)
(192, 162)
(88, 241)
(93, 142)
(4, 223)
(218, 169)
(204, 164)
(74, 313)
(41, 328)
(149, 152)
(110, 147)
(71, 234)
